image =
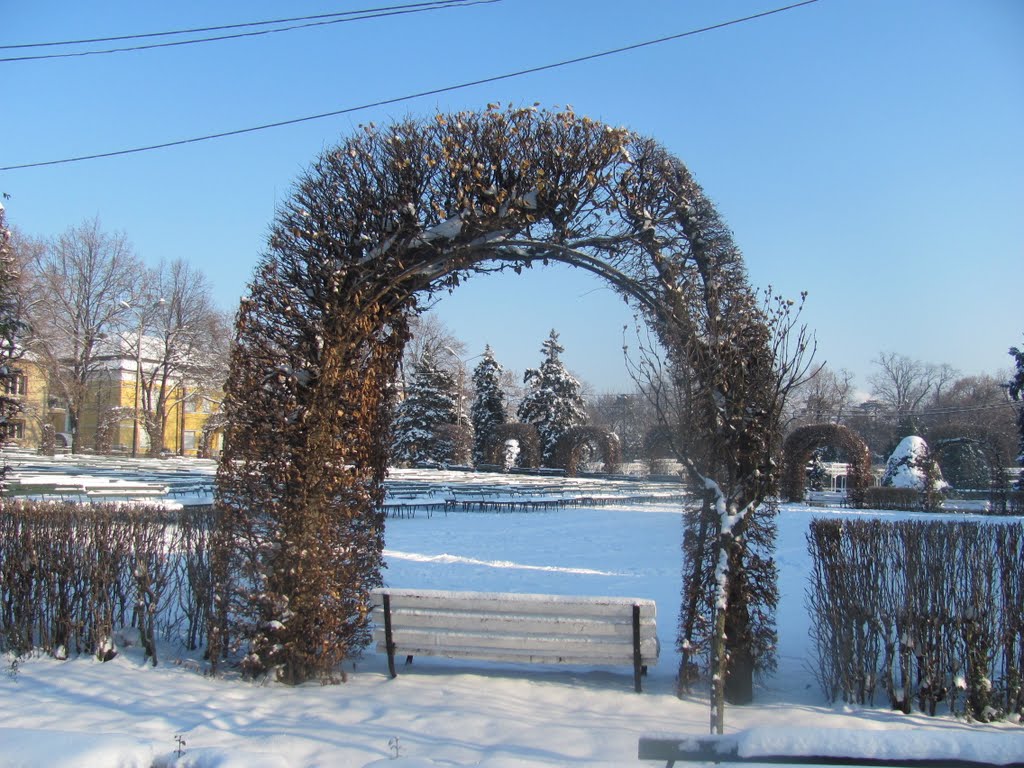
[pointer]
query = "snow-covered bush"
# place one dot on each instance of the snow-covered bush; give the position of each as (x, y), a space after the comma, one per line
(511, 454)
(911, 466)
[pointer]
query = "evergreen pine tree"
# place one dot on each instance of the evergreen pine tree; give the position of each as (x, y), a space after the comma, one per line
(553, 402)
(816, 474)
(488, 410)
(430, 402)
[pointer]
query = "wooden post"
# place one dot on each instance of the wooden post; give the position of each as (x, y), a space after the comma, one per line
(637, 661)
(389, 641)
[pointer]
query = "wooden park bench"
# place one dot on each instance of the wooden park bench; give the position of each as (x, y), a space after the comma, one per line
(516, 628)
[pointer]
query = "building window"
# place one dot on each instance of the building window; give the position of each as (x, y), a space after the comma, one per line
(13, 430)
(16, 384)
(197, 404)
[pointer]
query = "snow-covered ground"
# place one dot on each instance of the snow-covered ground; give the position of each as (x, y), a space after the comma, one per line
(447, 713)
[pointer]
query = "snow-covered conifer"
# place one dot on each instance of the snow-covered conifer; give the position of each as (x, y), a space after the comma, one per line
(488, 410)
(911, 466)
(430, 401)
(553, 402)
(816, 474)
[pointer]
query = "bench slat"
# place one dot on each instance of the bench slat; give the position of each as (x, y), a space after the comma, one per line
(501, 602)
(521, 624)
(514, 656)
(437, 643)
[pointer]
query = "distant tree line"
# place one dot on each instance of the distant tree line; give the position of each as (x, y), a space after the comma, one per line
(968, 421)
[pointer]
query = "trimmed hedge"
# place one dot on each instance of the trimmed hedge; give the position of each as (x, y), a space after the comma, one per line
(73, 577)
(931, 612)
(902, 499)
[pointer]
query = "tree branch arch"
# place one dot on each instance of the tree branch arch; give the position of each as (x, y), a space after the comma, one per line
(524, 434)
(390, 216)
(570, 446)
(942, 440)
(802, 442)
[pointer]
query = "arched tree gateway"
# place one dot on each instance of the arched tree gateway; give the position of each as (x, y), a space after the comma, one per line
(962, 443)
(527, 445)
(393, 216)
(802, 442)
(571, 448)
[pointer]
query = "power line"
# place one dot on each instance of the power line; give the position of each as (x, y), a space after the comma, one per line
(350, 16)
(409, 97)
(219, 28)
(946, 410)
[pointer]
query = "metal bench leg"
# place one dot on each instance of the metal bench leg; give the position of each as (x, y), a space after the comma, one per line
(389, 640)
(637, 665)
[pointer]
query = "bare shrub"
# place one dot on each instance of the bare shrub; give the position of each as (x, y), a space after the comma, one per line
(929, 613)
(72, 577)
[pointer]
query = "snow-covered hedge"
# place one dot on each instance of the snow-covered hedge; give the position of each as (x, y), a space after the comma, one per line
(922, 612)
(81, 579)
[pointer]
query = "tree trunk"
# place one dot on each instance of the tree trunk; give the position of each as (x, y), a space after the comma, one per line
(74, 418)
(739, 682)
(719, 667)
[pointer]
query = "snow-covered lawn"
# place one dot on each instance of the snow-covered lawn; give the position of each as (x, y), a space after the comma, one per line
(440, 712)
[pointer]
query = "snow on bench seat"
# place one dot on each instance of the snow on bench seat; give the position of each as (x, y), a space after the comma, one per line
(516, 628)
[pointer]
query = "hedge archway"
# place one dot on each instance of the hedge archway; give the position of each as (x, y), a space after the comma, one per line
(942, 441)
(802, 442)
(570, 446)
(527, 437)
(398, 214)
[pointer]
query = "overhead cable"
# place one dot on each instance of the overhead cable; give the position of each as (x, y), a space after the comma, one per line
(218, 28)
(376, 13)
(408, 97)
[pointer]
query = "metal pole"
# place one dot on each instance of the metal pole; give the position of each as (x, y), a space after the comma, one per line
(138, 375)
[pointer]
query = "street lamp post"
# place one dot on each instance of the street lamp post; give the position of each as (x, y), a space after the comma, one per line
(462, 377)
(138, 377)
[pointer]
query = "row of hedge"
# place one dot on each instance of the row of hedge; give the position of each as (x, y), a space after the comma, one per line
(914, 500)
(72, 575)
(925, 612)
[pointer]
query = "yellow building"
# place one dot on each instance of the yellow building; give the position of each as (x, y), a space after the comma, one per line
(28, 386)
(112, 417)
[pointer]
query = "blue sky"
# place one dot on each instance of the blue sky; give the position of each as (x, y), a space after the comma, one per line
(868, 152)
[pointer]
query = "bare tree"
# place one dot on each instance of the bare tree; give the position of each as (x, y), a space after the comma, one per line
(825, 398)
(179, 339)
(729, 589)
(627, 415)
(903, 385)
(82, 287)
(430, 336)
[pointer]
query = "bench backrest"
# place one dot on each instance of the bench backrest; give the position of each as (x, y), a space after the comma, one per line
(503, 626)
